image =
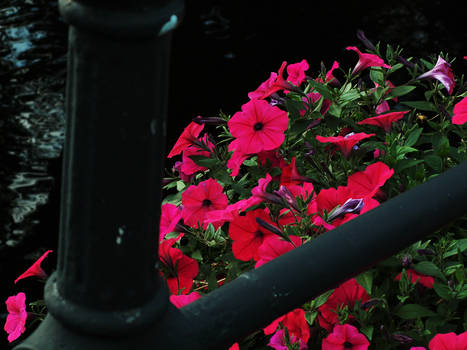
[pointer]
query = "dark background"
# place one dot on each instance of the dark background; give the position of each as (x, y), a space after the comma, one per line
(221, 51)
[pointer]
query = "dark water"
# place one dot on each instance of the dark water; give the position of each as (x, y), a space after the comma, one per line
(222, 50)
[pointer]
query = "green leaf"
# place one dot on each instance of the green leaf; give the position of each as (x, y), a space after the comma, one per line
(310, 317)
(400, 91)
(407, 163)
(434, 162)
(429, 269)
(376, 75)
(402, 150)
(365, 279)
(414, 311)
(413, 137)
(442, 290)
(204, 161)
(421, 105)
(335, 110)
(324, 90)
(317, 302)
(368, 331)
(460, 245)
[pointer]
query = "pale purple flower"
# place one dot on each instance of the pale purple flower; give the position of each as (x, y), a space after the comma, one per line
(441, 72)
(350, 206)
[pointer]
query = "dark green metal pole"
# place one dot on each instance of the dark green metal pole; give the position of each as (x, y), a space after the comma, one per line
(107, 280)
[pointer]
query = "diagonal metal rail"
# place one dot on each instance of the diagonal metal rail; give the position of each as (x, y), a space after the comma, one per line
(106, 292)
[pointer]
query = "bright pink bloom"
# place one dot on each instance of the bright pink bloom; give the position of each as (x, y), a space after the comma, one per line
(329, 77)
(35, 269)
(291, 176)
(179, 269)
(449, 341)
(344, 295)
(181, 300)
(441, 72)
(460, 112)
(237, 158)
(417, 348)
(184, 177)
(17, 315)
(248, 235)
(274, 246)
(296, 72)
(170, 216)
(384, 120)
(258, 127)
(366, 60)
(367, 182)
(188, 166)
(198, 200)
(186, 139)
(345, 337)
(416, 277)
(275, 83)
(382, 107)
(345, 143)
(278, 341)
(295, 322)
(235, 346)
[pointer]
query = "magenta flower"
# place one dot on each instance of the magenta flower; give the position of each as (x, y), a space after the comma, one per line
(178, 269)
(345, 143)
(367, 182)
(449, 341)
(187, 138)
(170, 216)
(416, 277)
(384, 120)
(275, 83)
(35, 269)
(366, 60)
(441, 72)
(17, 315)
(184, 299)
(296, 72)
(295, 323)
(188, 166)
(460, 112)
(345, 337)
(258, 127)
(278, 341)
(198, 200)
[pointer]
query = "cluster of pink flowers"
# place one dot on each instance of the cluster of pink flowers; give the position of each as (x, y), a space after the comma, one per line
(259, 129)
(16, 304)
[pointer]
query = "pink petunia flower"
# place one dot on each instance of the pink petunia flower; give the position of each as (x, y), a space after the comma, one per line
(188, 166)
(274, 246)
(384, 120)
(344, 295)
(258, 127)
(296, 72)
(345, 143)
(235, 346)
(198, 200)
(449, 341)
(179, 269)
(441, 72)
(295, 323)
(367, 182)
(382, 107)
(416, 277)
(345, 337)
(460, 112)
(35, 269)
(366, 60)
(186, 139)
(184, 299)
(170, 216)
(17, 315)
(278, 341)
(275, 83)
(247, 235)
(329, 76)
